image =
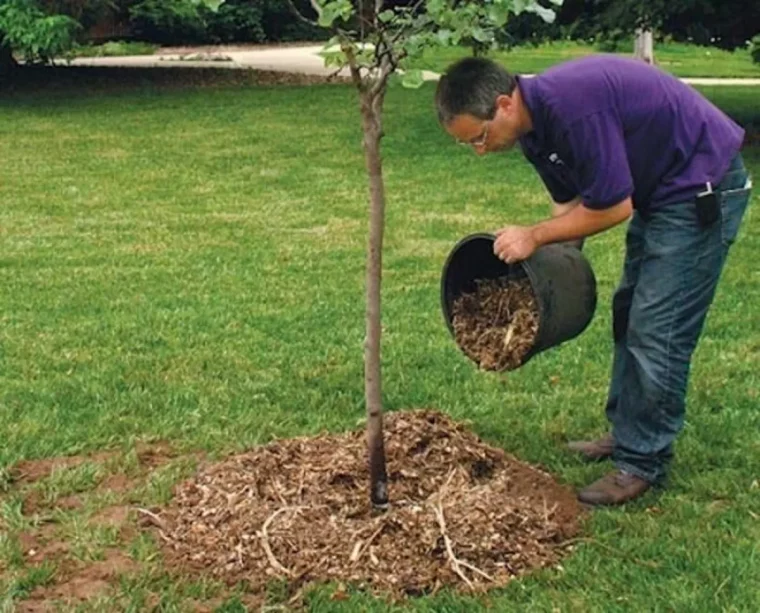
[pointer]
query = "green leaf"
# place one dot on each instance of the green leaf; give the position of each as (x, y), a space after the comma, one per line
(387, 15)
(412, 79)
(327, 17)
(213, 5)
(435, 7)
(333, 10)
(335, 59)
(482, 35)
(498, 14)
(518, 6)
(345, 9)
(557, 2)
(334, 41)
(444, 36)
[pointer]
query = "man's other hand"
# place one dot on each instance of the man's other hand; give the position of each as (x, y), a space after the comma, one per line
(515, 243)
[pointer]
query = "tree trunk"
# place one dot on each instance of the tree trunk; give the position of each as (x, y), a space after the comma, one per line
(643, 47)
(7, 62)
(371, 109)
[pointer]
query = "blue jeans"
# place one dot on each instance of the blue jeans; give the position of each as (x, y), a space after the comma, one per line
(672, 266)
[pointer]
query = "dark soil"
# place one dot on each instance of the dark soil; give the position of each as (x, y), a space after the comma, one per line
(78, 80)
(463, 513)
(496, 325)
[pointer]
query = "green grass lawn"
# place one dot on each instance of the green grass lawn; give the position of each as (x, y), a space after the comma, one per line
(189, 266)
(683, 60)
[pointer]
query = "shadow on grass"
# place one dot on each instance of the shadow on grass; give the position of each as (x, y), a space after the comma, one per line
(83, 80)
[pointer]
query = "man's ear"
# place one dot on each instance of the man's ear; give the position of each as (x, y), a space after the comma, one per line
(505, 102)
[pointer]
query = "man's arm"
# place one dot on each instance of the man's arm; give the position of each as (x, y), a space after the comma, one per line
(515, 243)
(562, 208)
(580, 222)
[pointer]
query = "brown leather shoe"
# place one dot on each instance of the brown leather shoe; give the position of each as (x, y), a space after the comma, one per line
(617, 487)
(594, 451)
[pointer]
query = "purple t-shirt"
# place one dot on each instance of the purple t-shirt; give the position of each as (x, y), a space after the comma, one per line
(605, 128)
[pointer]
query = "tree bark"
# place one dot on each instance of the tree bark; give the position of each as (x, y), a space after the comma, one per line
(643, 46)
(7, 62)
(371, 110)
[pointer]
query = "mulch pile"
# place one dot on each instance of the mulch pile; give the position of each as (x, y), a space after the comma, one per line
(462, 513)
(496, 325)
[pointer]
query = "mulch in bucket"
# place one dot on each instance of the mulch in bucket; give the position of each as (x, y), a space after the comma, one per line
(496, 325)
(463, 514)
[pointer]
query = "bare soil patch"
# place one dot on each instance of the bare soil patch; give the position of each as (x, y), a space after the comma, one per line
(29, 471)
(42, 545)
(86, 581)
(116, 516)
(463, 514)
(155, 454)
(496, 325)
(117, 483)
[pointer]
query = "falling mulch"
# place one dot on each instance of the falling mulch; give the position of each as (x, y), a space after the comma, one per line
(463, 513)
(496, 325)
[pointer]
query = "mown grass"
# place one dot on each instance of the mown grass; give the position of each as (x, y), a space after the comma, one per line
(189, 266)
(683, 60)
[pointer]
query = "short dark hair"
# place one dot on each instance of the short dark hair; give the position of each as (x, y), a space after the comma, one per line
(471, 85)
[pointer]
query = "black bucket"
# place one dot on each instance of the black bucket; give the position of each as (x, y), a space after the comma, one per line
(560, 275)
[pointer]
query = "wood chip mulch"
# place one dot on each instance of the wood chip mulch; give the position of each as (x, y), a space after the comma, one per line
(496, 325)
(462, 513)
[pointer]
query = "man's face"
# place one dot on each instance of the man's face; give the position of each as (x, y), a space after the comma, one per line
(488, 135)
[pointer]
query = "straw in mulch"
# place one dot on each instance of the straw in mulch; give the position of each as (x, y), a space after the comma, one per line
(496, 325)
(462, 513)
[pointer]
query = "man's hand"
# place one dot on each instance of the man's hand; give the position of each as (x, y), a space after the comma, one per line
(515, 243)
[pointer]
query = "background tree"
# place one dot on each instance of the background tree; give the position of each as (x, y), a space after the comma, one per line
(723, 23)
(41, 30)
(25, 28)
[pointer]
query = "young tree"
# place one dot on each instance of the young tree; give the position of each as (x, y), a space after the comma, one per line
(374, 41)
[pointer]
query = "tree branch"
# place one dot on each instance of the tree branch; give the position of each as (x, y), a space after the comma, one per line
(300, 16)
(386, 68)
(353, 67)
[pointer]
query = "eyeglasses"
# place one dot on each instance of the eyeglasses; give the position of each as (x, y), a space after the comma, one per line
(480, 141)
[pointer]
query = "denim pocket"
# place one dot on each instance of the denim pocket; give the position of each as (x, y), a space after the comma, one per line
(733, 179)
(733, 203)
